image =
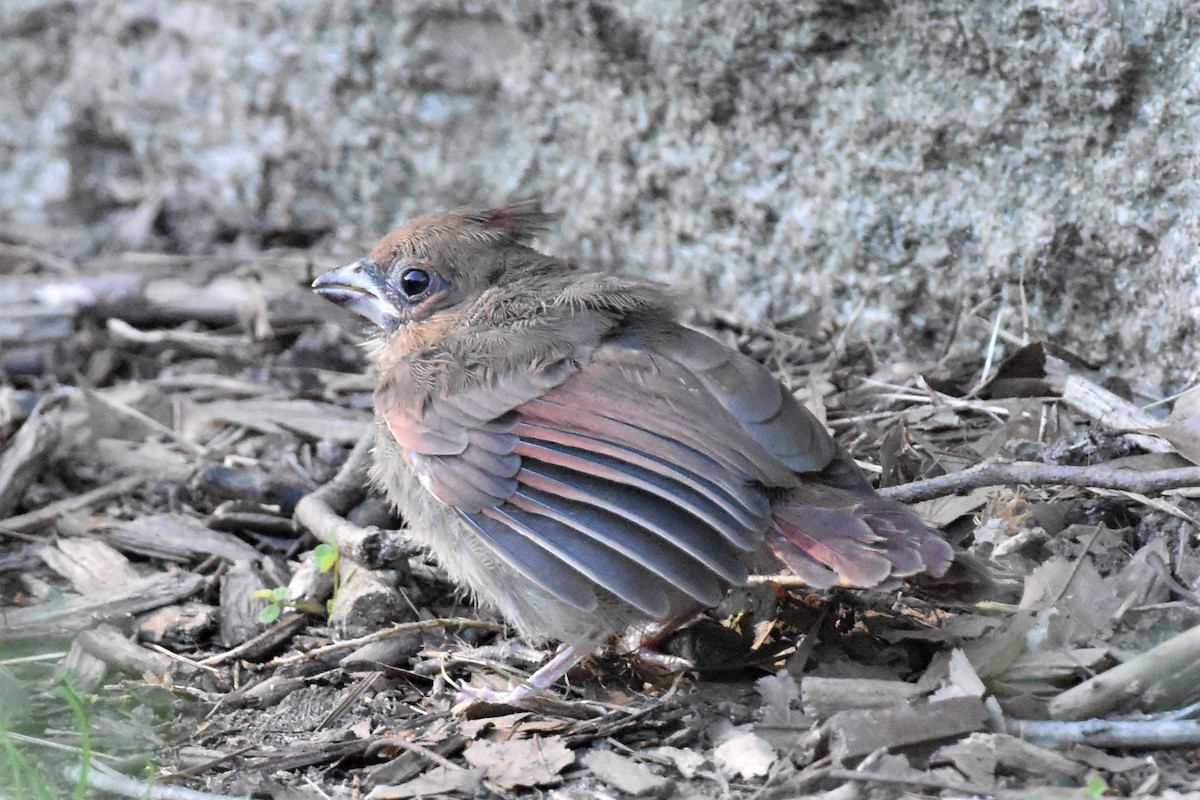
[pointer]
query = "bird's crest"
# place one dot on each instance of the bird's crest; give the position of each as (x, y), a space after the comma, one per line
(518, 223)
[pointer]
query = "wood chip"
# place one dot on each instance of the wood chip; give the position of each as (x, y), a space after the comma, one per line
(177, 537)
(859, 733)
(115, 649)
(91, 566)
(26, 454)
(239, 608)
(824, 697)
(625, 775)
(70, 614)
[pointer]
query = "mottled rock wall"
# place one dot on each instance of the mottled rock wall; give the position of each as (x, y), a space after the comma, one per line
(802, 159)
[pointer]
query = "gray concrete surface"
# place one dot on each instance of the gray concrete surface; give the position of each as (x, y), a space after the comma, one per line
(784, 159)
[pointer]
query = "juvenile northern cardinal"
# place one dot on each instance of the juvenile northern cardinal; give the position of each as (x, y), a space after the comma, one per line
(583, 462)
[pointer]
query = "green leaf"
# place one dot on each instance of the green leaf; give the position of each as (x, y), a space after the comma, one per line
(270, 613)
(325, 557)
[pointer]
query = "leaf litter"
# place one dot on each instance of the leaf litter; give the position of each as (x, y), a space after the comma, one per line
(176, 440)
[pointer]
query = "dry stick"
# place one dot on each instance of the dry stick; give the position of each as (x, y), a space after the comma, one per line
(40, 257)
(1035, 474)
(316, 511)
(1150, 734)
(116, 783)
(1130, 680)
(204, 344)
(283, 628)
(919, 781)
(44, 516)
(421, 750)
(404, 627)
(349, 699)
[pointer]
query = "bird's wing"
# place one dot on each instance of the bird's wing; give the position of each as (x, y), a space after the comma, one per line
(639, 469)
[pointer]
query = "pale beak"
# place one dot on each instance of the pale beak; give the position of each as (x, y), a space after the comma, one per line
(359, 287)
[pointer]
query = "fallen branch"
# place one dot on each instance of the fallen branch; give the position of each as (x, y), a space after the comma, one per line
(1150, 673)
(321, 513)
(1034, 474)
(1150, 734)
(115, 783)
(460, 623)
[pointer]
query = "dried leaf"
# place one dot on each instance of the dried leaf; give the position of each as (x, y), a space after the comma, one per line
(744, 754)
(439, 780)
(522, 762)
(779, 693)
(624, 774)
(686, 762)
(941, 511)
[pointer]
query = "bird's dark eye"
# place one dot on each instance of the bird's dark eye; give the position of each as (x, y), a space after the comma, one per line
(414, 282)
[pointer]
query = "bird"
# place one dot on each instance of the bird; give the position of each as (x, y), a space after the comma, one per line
(583, 462)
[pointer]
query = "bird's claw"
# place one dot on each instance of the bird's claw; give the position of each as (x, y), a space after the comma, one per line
(470, 695)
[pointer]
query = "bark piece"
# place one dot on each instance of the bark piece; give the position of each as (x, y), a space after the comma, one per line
(26, 455)
(91, 566)
(70, 614)
(178, 538)
(861, 732)
(626, 775)
(239, 608)
(824, 697)
(1153, 674)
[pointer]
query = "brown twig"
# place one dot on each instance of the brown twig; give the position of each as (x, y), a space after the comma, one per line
(319, 512)
(44, 516)
(1035, 474)
(404, 627)
(404, 744)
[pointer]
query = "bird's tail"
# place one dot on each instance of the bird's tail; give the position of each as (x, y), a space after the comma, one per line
(844, 539)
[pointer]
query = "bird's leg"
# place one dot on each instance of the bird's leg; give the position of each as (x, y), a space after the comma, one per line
(566, 657)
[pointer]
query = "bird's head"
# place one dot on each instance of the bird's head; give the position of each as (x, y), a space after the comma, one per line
(437, 262)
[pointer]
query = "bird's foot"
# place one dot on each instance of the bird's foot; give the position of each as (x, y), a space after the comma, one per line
(543, 679)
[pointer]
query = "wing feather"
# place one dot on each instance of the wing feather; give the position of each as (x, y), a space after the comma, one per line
(622, 536)
(656, 518)
(589, 557)
(677, 493)
(531, 560)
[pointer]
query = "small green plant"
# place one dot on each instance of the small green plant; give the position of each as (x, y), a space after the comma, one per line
(325, 557)
(1096, 788)
(276, 601)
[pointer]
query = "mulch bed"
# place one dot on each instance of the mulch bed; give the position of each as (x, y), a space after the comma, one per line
(198, 591)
